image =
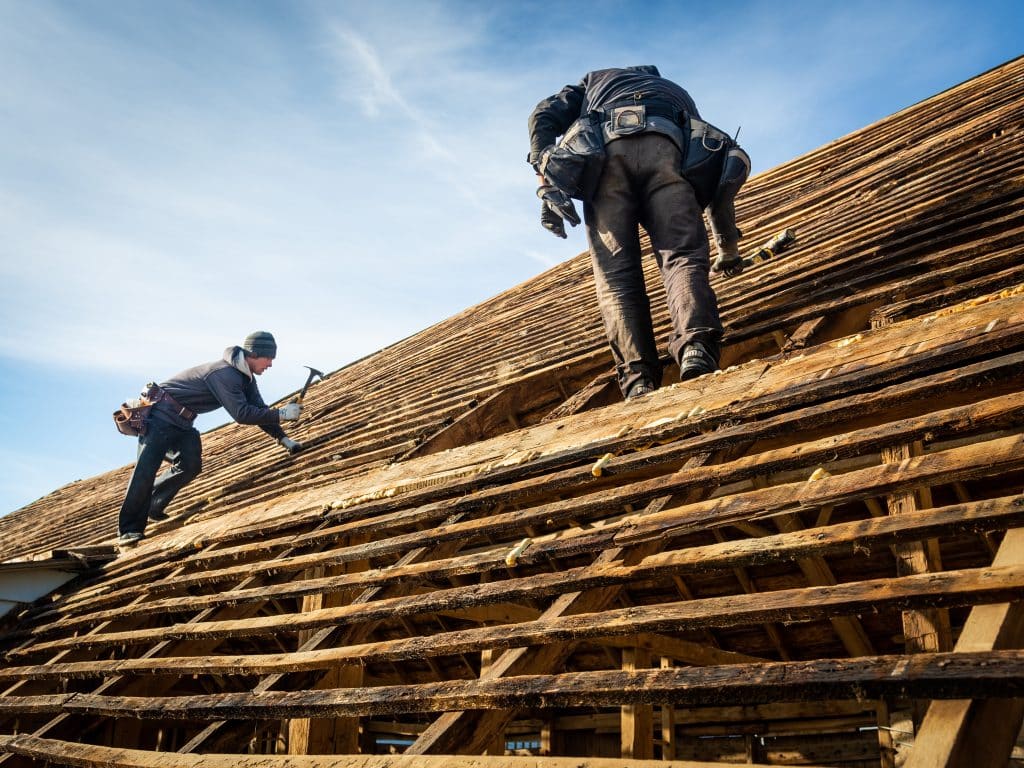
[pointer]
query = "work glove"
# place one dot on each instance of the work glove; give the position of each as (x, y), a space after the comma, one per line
(729, 259)
(551, 221)
(290, 412)
(290, 445)
(557, 208)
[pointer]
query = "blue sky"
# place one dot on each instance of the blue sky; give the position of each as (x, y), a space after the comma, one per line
(176, 174)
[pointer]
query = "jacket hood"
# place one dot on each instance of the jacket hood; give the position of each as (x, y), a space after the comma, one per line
(235, 357)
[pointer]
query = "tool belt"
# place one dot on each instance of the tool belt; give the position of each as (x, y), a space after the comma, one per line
(132, 417)
(705, 159)
(574, 164)
(705, 148)
(157, 395)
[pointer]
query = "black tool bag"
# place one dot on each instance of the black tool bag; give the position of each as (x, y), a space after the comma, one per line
(707, 149)
(575, 163)
(130, 418)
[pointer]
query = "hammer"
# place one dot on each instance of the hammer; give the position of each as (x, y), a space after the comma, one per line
(313, 372)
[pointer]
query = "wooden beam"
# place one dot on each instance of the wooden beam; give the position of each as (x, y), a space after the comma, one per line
(92, 756)
(970, 461)
(995, 411)
(993, 513)
(685, 651)
(976, 733)
(461, 731)
(987, 675)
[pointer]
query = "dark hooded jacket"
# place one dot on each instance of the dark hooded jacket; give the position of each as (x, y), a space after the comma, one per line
(601, 89)
(225, 383)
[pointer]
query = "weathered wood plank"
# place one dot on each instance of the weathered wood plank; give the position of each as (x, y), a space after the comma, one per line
(990, 458)
(859, 484)
(92, 756)
(931, 387)
(849, 537)
(949, 589)
(981, 675)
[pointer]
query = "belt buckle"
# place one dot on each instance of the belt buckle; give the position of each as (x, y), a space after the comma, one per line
(628, 120)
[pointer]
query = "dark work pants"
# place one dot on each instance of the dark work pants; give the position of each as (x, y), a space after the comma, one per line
(146, 491)
(642, 184)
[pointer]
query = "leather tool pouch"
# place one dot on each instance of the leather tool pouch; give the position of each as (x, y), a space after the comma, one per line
(130, 419)
(575, 164)
(707, 148)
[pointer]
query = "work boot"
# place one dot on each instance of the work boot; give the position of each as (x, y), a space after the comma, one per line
(640, 390)
(130, 538)
(696, 361)
(158, 515)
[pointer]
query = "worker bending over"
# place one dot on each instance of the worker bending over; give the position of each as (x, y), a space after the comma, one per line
(642, 120)
(229, 383)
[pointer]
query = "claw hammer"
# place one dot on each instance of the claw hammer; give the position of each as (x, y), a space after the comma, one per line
(313, 373)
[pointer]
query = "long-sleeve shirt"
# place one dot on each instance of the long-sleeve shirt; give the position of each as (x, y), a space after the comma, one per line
(220, 384)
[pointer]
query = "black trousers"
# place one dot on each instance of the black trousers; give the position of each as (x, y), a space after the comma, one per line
(147, 492)
(642, 184)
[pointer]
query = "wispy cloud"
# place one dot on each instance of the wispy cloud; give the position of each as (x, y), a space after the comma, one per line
(175, 175)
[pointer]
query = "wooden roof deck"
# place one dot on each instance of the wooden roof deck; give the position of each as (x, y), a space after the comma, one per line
(483, 549)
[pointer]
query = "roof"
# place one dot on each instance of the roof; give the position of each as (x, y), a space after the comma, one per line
(484, 549)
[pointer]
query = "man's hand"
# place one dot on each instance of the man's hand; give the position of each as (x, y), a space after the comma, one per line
(729, 259)
(290, 412)
(290, 445)
(558, 207)
(551, 221)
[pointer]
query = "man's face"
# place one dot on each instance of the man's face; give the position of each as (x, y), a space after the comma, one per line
(259, 364)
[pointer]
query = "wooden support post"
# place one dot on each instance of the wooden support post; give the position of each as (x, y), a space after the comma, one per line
(547, 730)
(886, 745)
(637, 719)
(325, 736)
(978, 734)
(818, 574)
(487, 659)
(668, 723)
(751, 749)
(926, 631)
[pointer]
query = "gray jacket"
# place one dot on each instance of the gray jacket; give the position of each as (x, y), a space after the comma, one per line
(225, 383)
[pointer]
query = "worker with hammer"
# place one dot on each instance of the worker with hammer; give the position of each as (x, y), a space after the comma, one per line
(229, 383)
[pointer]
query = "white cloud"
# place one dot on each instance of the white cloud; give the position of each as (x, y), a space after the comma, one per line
(173, 176)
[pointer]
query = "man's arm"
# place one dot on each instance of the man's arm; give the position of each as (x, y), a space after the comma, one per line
(244, 403)
(552, 117)
(722, 212)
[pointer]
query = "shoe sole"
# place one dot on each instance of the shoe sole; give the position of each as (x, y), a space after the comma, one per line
(692, 373)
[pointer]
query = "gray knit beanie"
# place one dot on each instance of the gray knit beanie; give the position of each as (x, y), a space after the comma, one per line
(260, 344)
